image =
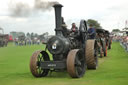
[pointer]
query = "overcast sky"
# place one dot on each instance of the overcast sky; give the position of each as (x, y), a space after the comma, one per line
(111, 14)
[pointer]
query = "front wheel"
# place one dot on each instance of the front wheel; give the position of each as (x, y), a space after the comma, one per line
(36, 59)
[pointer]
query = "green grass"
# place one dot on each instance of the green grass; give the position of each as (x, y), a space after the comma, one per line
(14, 69)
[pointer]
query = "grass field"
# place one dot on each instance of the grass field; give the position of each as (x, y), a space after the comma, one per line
(14, 69)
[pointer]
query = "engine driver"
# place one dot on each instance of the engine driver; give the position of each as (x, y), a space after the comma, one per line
(74, 31)
(74, 28)
(65, 31)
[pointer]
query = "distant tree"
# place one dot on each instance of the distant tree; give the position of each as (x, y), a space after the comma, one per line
(20, 33)
(35, 35)
(44, 35)
(28, 34)
(125, 28)
(95, 23)
(115, 30)
(32, 35)
(1, 30)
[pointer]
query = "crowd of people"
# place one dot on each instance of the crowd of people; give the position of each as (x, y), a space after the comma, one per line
(123, 41)
(26, 41)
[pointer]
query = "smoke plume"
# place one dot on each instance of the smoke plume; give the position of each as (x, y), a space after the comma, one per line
(43, 5)
(19, 9)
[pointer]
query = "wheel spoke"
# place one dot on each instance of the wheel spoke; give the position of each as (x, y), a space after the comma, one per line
(41, 59)
(40, 70)
(82, 59)
(78, 70)
(38, 57)
(79, 59)
(78, 63)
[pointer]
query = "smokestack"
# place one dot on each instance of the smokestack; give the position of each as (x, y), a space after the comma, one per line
(58, 19)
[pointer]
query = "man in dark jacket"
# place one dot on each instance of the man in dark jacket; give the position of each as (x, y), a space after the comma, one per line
(92, 32)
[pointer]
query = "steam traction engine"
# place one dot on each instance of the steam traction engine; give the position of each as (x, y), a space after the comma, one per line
(108, 39)
(103, 41)
(3, 39)
(68, 53)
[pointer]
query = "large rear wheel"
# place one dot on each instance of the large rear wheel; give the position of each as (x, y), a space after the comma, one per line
(91, 54)
(76, 63)
(36, 59)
